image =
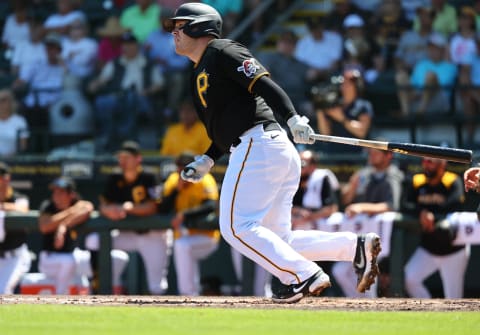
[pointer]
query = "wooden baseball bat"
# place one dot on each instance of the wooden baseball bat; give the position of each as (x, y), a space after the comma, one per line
(412, 149)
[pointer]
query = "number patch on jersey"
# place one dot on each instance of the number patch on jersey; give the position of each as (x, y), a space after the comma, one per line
(249, 67)
(202, 85)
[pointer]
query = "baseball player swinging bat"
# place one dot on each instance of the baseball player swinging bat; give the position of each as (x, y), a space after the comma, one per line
(421, 150)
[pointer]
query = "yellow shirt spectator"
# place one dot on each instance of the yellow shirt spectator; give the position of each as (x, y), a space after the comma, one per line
(189, 134)
(191, 194)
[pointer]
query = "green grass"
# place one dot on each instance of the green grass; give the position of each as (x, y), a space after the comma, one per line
(74, 319)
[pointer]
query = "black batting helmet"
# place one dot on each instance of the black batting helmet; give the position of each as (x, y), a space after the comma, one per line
(203, 20)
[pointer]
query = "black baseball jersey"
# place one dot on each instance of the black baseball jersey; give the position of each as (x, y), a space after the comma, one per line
(13, 239)
(71, 236)
(222, 82)
(441, 199)
(118, 190)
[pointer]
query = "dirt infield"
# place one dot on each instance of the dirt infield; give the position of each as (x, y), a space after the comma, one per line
(321, 303)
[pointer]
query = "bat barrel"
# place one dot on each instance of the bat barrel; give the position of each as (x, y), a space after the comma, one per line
(422, 150)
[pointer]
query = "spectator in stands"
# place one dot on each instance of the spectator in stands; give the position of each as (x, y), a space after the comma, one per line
(13, 127)
(130, 192)
(350, 116)
(387, 25)
(469, 91)
(428, 89)
(58, 220)
(31, 51)
(79, 51)
(295, 81)
(317, 194)
(110, 41)
(360, 51)
(16, 28)
(160, 49)
(60, 21)
(189, 134)
(44, 83)
(191, 205)
(230, 10)
(141, 18)
(372, 190)
(124, 90)
(412, 48)
(462, 47)
(15, 258)
(430, 196)
(445, 21)
(335, 19)
(319, 41)
(410, 8)
(413, 44)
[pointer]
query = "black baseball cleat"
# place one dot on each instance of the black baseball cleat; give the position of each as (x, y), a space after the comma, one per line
(294, 292)
(365, 262)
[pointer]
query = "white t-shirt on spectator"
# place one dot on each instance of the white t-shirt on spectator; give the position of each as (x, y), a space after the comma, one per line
(462, 50)
(319, 54)
(58, 20)
(27, 52)
(43, 76)
(80, 56)
(15, 33)
(11, 129)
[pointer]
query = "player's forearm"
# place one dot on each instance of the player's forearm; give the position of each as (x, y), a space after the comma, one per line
(49, 223)
(324, 212)
(275, 97)
(143, 209)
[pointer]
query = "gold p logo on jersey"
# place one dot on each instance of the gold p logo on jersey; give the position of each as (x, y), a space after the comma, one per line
(202, 85)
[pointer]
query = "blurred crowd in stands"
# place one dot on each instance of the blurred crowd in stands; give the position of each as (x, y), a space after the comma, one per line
(105, 71)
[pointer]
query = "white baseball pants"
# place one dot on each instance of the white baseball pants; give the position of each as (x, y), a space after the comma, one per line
(13, 267)
(262, 177)
(155, 247)
(59, 266)
(188, 251)
(451, 267)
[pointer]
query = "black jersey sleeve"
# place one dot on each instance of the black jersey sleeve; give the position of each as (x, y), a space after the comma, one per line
(274, 96)
(214, 152)
(243, 68)
(240, 65)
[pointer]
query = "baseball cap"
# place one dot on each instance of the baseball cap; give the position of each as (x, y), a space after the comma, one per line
(64, 182)
(129, 37)
(353, 21)
(53, 39)
(468, 11)
(130, 147)
(4, 169)
(438, 40)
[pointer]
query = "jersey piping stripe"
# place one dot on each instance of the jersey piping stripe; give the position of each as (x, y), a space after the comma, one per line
(250, 86)
(231, 218)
